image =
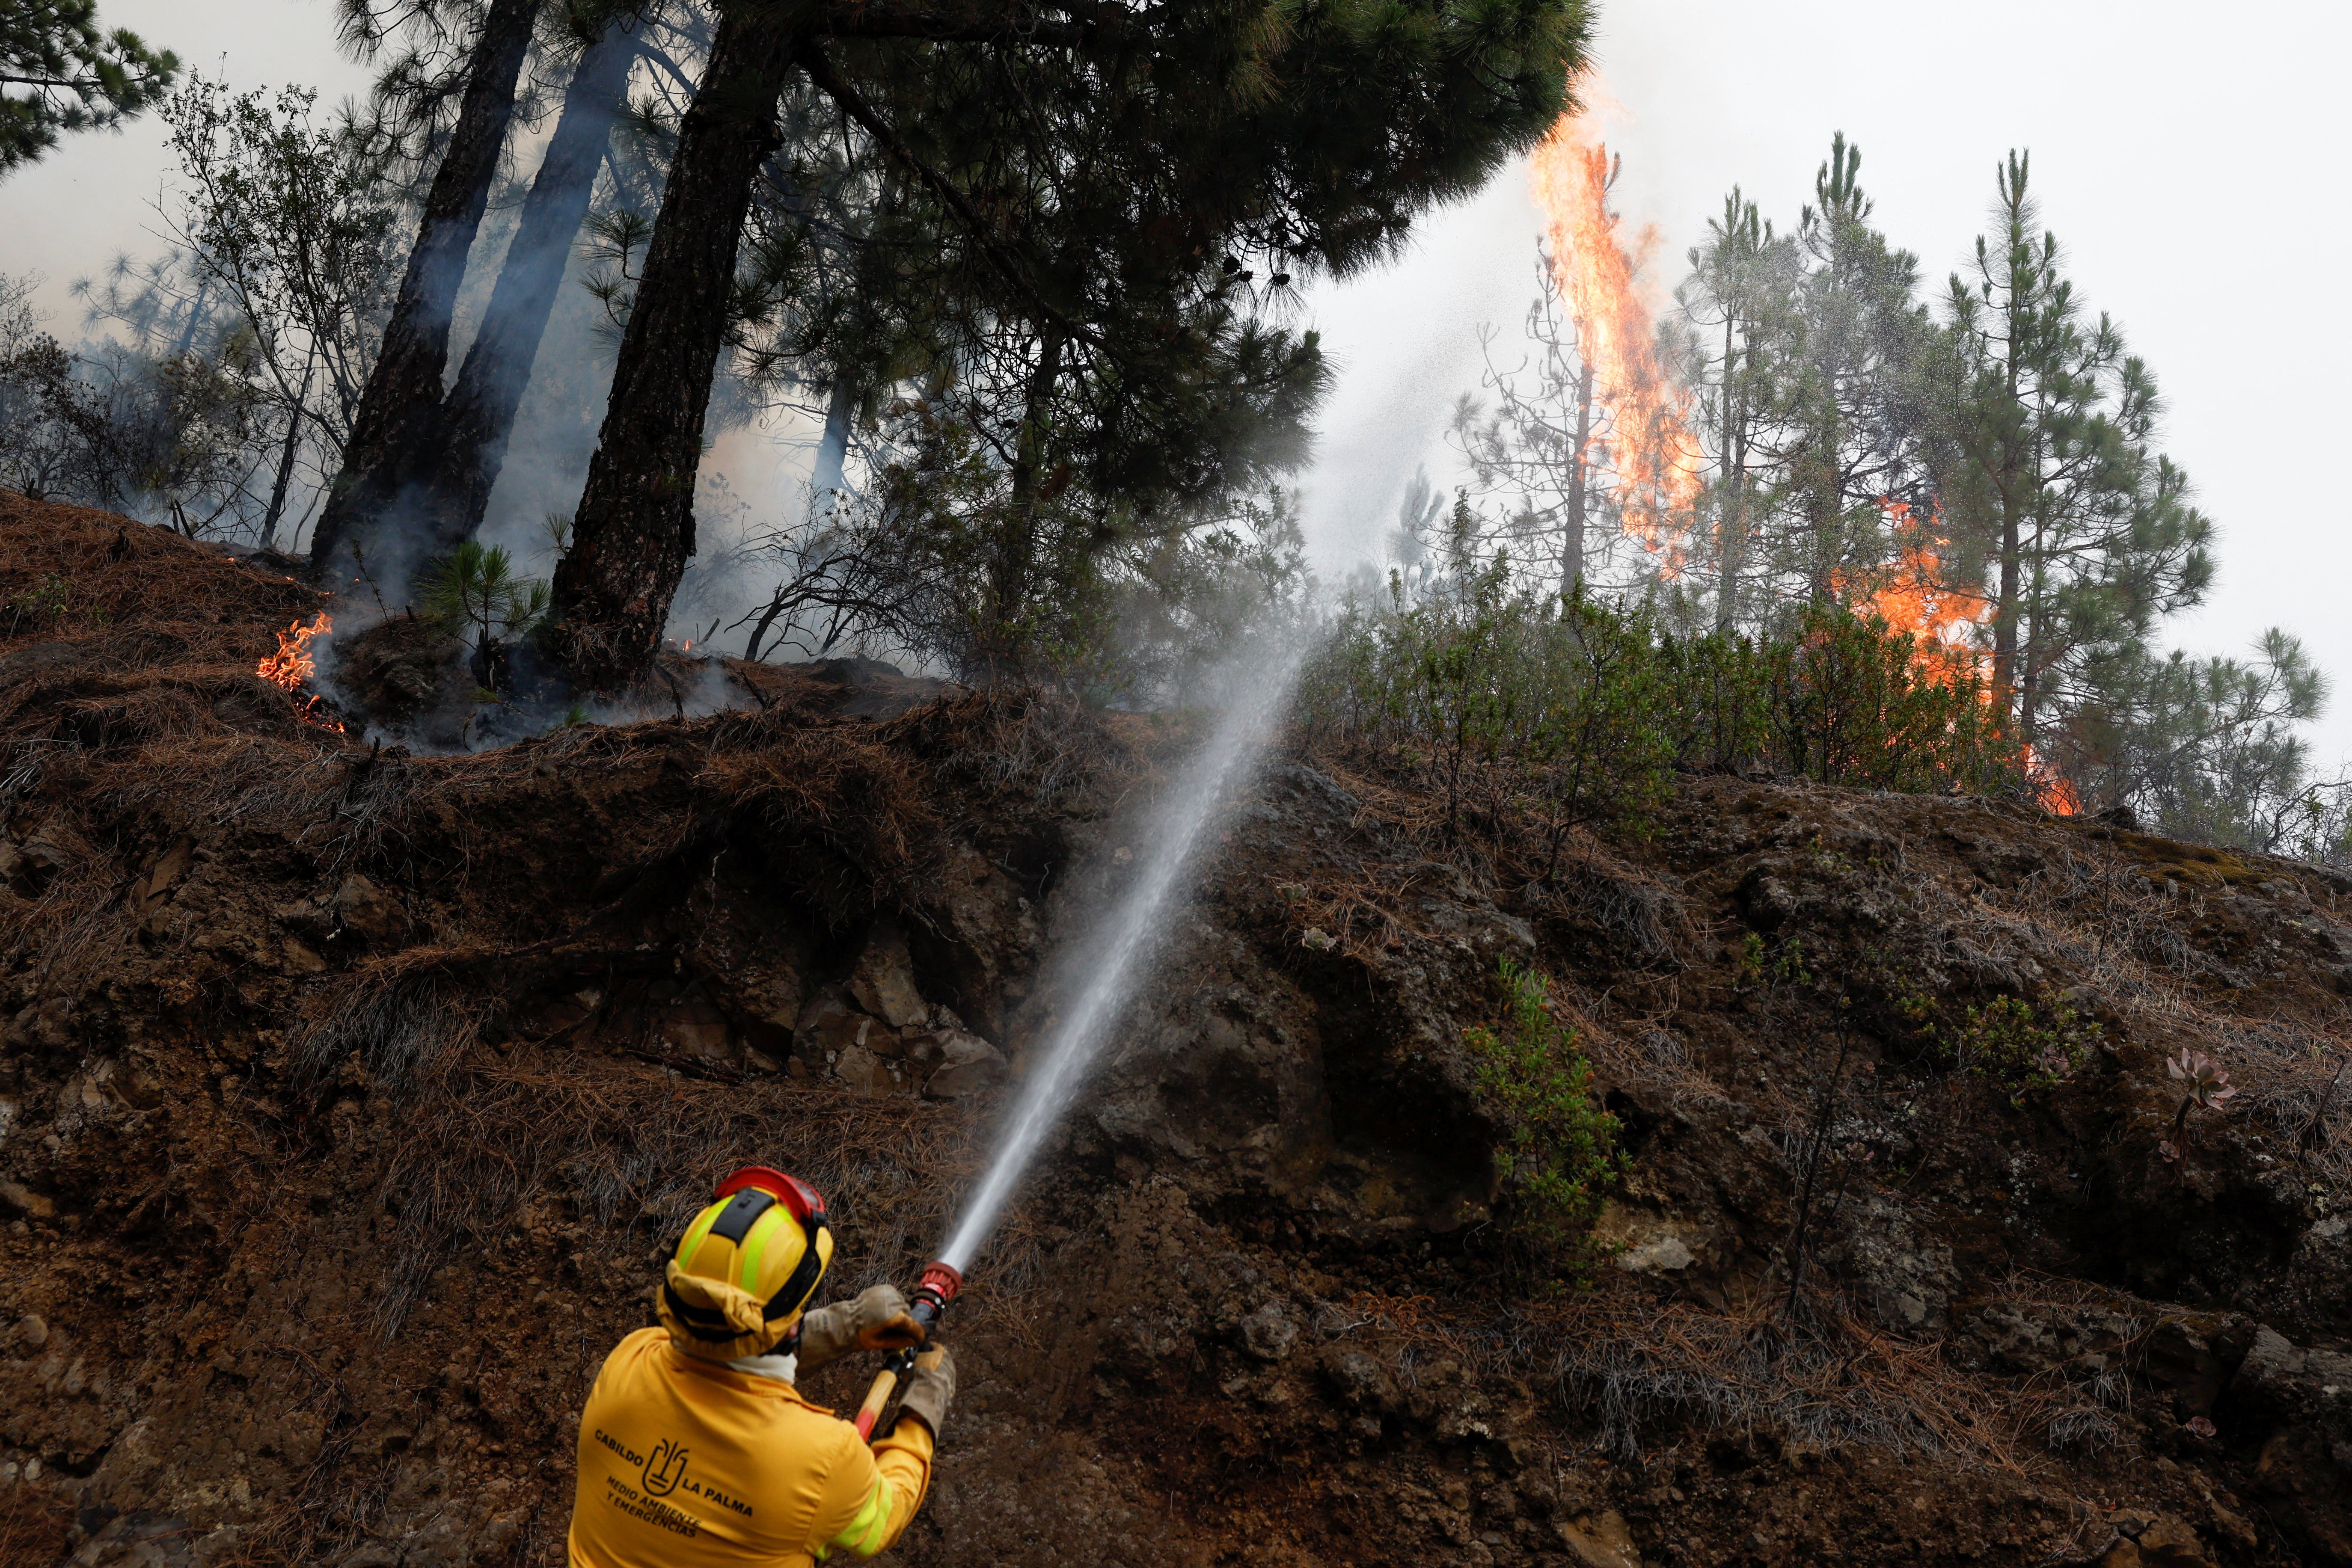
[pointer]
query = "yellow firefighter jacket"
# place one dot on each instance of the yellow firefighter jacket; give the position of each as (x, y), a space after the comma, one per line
(684, 1463)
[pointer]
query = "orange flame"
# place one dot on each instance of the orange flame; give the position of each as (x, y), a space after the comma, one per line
(1946, 621)
(291, 666)
(1647, 443)
(1915, 598)
(2050, 788)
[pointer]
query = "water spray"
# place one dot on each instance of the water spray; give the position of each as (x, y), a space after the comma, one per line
(1115, 958)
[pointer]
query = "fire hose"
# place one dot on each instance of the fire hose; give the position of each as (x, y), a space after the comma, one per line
(937, 1287)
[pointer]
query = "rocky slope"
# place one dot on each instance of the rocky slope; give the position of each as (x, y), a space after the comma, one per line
(348, 1098)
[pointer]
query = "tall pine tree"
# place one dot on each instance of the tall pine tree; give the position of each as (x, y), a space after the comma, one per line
(395, 434)
(2084, 530)
(1239, 126)
(1855, 416)
(1741, 290)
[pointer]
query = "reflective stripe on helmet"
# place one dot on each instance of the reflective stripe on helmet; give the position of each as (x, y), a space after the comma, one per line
(803, 1284)
(692, 1240)
(754, 1248)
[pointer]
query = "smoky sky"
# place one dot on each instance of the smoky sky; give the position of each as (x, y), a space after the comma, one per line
(2190, 160)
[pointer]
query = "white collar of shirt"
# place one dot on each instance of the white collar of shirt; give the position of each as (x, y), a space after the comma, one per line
(779, 1368)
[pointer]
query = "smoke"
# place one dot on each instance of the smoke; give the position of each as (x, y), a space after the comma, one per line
(755, 484)
(555, 429)
(1404, 340)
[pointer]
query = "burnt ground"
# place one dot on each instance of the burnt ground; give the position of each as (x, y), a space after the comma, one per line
(349, 1096)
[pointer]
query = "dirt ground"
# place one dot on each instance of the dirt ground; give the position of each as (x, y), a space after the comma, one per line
(349, 1095)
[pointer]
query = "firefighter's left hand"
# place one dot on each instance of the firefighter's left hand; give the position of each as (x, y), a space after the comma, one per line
(876, 1319)
(930, 1389)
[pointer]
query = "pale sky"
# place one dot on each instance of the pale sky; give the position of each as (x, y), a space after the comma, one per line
(2192, 163)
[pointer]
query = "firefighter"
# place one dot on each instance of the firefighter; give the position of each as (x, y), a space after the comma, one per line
(696, 1448)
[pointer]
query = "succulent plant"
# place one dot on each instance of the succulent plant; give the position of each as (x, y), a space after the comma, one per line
(2204, 1082)
(2208, 1081)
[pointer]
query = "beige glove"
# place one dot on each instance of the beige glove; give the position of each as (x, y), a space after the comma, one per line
(930, 1388)
(876, 1319)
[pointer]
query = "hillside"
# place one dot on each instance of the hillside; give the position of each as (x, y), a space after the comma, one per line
(349, 1097)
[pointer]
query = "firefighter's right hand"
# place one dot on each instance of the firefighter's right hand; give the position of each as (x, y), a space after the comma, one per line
(930, 1388)
(876, 1319)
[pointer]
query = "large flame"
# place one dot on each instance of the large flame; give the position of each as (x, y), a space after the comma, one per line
(1646, 441)
(291, 666)
(1947, 624)
(1946, 621)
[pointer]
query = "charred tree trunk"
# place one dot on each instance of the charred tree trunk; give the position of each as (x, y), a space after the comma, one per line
(2005, 609)
(2029, 653)
(1732, 541)
(479, 415)
(287, 452)
(1016, 542)
(392, 430)
(1580, 469)
(832, 449)
(634, 532)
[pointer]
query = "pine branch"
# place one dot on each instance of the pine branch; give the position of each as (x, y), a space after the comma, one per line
(1000, 256)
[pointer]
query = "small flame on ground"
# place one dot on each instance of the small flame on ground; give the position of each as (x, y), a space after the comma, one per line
(2050, 788)
(1646, 439)
(291, 666)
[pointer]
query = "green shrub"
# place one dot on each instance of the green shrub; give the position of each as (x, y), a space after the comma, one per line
(1559, 1156)
(2011, 1043)
(1509, 701)
(1853, 703)
(38, 606)
(1517, 705)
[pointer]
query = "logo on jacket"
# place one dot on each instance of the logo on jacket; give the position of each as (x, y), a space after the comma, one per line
(665, 1468)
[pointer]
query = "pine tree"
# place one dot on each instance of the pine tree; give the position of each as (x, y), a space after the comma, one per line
(2205, 749)
(81, 78)
(1543, 441)
(1313, 141)
(394, 435)
(2086, 529)
(1855, 414)
(1737, 301)
(477, 415)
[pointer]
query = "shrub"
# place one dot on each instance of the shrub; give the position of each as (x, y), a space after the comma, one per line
(1506, 699)
(475, 588)
(1853, 703)
(2009, 1044)
(1515, 704)
(1559, 1156)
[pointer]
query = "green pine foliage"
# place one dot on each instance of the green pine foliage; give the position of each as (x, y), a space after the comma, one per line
(475, 588)
(1852, 703)
(2084, 530)
(1557, 1155)
(80, 78)
(2206, 749)
(1985, 460)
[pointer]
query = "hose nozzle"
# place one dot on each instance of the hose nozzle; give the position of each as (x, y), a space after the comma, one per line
(934, 1291)
(932, 1294)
